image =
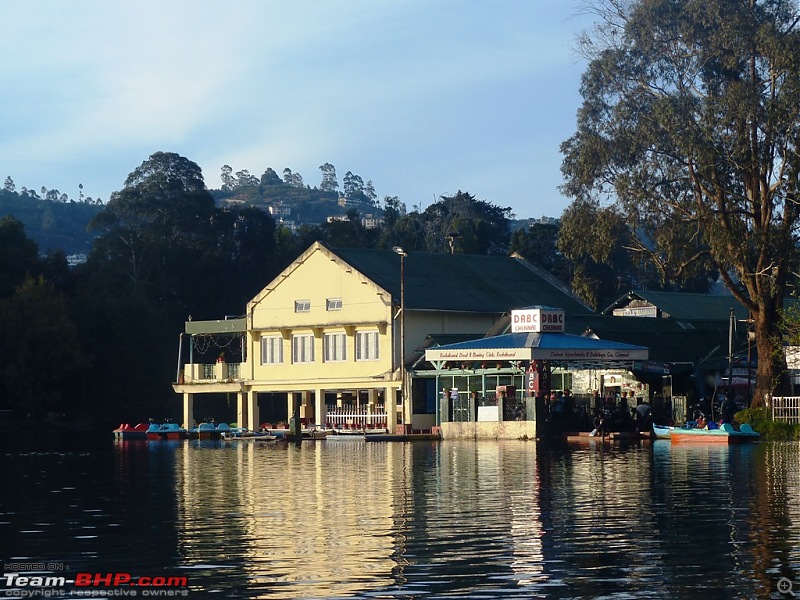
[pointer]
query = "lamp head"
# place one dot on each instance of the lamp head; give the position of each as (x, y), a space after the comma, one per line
(399, 250)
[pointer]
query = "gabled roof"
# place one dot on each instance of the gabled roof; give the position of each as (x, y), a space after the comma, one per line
(460, 282)
(685, 306)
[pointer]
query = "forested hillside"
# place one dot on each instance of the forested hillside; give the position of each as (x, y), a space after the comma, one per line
(52, 224)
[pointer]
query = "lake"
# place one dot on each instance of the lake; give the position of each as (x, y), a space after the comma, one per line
(351, 519)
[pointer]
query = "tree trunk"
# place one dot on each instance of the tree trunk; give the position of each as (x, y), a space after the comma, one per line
(771, 370)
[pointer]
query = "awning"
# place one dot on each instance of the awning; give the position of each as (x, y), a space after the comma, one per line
(554, 347)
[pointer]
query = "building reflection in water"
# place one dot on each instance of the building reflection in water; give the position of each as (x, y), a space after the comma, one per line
(344, 518)
(282, 518)
(510, 518)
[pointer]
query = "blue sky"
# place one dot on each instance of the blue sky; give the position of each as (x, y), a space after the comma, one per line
(422, 97)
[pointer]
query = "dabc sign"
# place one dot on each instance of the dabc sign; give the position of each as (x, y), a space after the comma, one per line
(537, 320)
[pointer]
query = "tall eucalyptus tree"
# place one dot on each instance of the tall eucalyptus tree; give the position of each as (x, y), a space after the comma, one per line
(690, 124)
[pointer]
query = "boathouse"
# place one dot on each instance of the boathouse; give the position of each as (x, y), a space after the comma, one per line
(339, 332)
(509, 402)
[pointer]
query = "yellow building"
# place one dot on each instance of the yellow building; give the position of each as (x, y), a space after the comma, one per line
(328, 334)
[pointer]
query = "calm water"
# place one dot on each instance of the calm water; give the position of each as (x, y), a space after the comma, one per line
(349, 519)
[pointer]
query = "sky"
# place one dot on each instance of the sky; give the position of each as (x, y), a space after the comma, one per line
(422, 97)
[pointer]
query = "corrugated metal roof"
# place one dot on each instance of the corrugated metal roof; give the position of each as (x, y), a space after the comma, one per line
(686, 306)
(669, 340)
(545, 341)
(558, 348)
(460, 282)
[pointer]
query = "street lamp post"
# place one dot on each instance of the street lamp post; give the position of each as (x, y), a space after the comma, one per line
(403, 254)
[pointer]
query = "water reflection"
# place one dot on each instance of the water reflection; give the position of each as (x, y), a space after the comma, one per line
(366, 520)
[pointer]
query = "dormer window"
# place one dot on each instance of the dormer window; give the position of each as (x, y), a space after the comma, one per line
(302, 306)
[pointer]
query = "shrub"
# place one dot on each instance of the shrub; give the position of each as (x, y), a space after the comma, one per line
(760, 419)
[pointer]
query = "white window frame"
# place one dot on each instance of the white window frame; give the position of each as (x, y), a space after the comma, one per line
(368, 346)
(334, 347)
(271, 350)
(303, 348)
(333, 304)
(302, 306)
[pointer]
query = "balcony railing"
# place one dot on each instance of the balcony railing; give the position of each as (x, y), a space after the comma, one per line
(205, 373)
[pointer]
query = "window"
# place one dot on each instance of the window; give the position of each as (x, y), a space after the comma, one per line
(303, 349)
(561, 381)
(335, 347)
(333, 304)
(271, 350)
(302, 306)
(367, 346)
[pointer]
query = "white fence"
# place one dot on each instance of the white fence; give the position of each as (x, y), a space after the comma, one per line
(355, 418)
(786, 408)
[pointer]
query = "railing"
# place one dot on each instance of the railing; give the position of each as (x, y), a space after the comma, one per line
(786, 408)
(357, 418)
(219, 371)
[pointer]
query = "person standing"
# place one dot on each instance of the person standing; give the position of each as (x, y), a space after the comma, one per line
(644, 416)
(728, 409)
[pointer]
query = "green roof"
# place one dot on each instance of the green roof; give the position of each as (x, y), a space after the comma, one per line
(461, 282)
(669, 340)
(686, 306)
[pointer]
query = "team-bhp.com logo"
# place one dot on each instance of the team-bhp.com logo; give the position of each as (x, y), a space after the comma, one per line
(30, 584)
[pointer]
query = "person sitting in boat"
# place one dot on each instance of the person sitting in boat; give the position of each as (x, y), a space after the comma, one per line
(599, 426)
(700, 422)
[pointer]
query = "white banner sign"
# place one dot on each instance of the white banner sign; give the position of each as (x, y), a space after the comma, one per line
(537, 320)
(432, 354)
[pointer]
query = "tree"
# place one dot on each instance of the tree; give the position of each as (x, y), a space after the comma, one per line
(369, 192)
(157, 225)
(480, 227)
(39, 347)
(352, 185)
(228, 180)
(690, 123)
(19, 255)
(245, 179)
(593, 239)
(329, 182)
(538, 245)
(270, 177)
(9, 184)
(239, 263)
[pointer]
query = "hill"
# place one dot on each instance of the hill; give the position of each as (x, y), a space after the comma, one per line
(52, 224)
(296, 204)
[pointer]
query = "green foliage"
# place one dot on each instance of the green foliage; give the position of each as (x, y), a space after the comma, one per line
(760, 419)
(39, 347)
(52, 224)
(18, 255)
(165, 252)
(689, 126)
